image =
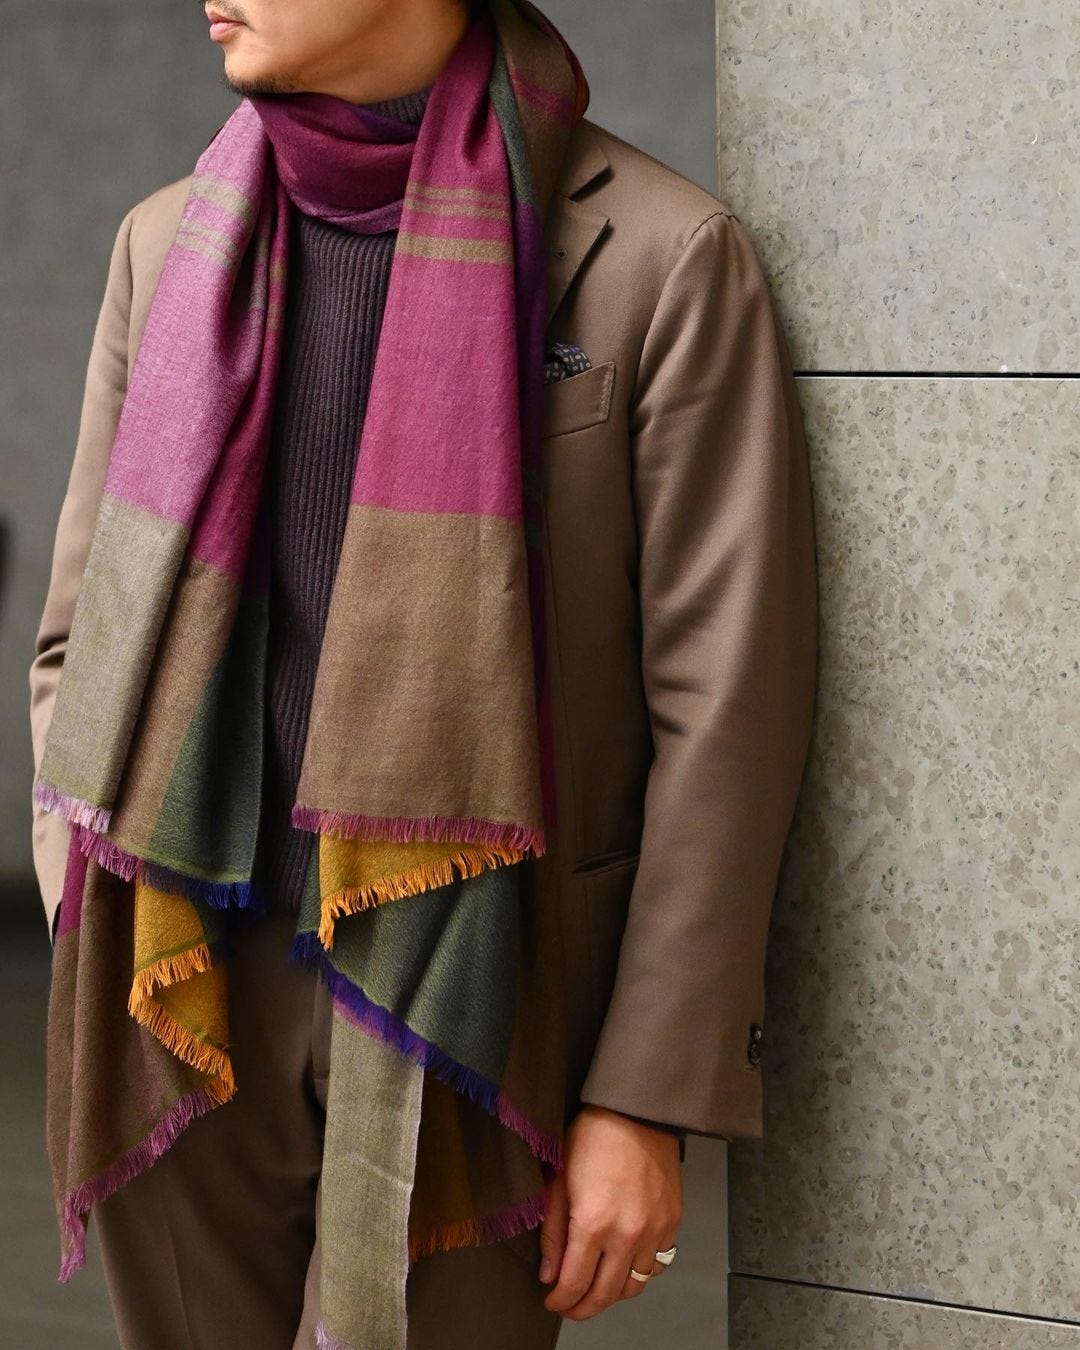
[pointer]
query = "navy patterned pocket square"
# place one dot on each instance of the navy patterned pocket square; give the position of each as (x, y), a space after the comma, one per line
(562, 359)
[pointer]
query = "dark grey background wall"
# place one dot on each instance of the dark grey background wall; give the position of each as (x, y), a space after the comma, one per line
(102, 101)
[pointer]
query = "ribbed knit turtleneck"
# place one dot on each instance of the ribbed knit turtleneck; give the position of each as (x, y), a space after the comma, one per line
(335, 297)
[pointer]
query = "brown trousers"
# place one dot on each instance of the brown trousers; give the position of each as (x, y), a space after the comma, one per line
(217, 1243)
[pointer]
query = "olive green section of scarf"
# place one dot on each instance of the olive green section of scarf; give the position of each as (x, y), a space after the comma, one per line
(208, 823)
(408, 956)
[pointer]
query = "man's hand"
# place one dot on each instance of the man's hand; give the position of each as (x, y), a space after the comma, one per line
(616, 1203)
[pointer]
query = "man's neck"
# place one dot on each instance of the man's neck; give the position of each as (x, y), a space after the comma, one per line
(404, 57)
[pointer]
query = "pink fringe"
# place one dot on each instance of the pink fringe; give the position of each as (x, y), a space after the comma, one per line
(217, 894)
(123, 1169)
(402, 829)
(107, 854)
(71, 808)
(542, 1145)
(507, 1223)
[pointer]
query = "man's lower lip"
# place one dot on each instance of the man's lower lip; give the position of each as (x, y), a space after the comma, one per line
(222, 28)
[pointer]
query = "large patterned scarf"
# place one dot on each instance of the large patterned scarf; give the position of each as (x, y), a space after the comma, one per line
(427, 770)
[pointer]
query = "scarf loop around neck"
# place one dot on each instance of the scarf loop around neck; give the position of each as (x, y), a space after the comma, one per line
(427, 771)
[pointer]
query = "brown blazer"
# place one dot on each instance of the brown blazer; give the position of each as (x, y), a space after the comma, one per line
(682, 619)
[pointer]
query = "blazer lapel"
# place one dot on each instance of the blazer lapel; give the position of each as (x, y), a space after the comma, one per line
(571, 228)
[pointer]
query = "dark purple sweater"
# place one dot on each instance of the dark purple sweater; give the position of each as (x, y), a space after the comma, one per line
(335, 297)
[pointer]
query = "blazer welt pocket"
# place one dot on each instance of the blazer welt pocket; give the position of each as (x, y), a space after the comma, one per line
(579, 401)
(607, 862)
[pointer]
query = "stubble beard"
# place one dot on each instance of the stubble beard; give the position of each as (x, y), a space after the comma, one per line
(261, 84)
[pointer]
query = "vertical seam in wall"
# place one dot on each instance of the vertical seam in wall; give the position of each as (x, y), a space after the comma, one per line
(716, 98)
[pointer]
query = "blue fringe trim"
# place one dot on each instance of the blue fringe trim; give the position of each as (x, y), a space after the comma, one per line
(307, 950)
(216, 894)
(373, 1018)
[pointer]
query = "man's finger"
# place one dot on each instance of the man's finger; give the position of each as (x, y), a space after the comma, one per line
(576, 1270)
(553, 1229)
(645, 1262)
(608, 1284)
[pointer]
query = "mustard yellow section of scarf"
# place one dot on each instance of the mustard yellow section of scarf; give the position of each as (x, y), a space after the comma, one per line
(177, 992)
(356, 874)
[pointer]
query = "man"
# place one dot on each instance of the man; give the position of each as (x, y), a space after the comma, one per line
(674, 622)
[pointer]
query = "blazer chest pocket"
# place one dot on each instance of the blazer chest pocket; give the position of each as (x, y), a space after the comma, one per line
(579, 401)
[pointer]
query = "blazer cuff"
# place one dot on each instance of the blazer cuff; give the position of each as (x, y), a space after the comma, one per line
(666, 1126)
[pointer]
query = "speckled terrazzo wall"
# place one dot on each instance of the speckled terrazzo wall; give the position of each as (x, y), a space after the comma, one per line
(911, 177)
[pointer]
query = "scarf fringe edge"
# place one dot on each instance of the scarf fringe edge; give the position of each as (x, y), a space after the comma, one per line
(496, 1227)
(505, 1223)
(407, 829)
(380, 1022)
(244, 894)
(173, 1035)
(239, 894)
(162, 1136)
(415, 880)
(73, 809)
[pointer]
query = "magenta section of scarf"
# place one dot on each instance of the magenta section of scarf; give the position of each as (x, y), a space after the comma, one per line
(367, 172)
(338, 160)
(453, 305)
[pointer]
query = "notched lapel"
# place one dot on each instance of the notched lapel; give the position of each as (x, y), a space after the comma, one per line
(571, 231)
(571, 228)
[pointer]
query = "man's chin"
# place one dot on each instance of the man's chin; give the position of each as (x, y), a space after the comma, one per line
(254, 82)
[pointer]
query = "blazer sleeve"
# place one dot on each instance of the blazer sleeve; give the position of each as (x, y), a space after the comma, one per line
(666, 1128)
(103, 395)
(728, 596)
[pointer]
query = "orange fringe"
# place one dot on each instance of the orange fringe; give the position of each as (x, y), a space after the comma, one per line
(208, 1059)
(470, 862)
(463, 1233)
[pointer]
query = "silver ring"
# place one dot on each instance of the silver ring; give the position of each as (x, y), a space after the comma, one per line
(637, 1275)
(666, 1258)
